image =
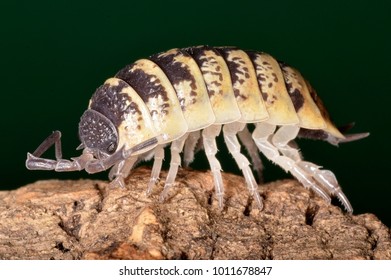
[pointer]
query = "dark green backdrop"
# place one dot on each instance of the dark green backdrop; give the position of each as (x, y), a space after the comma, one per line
(54, 54)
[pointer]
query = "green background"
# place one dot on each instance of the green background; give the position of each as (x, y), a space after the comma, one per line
(54, 54)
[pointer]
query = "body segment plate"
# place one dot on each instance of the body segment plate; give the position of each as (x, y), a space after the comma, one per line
(309, 114)
(186, 77)
(271, 81)
(123, 106)
(218, 82)
(157, 92)
(245, 85)
(330, 127)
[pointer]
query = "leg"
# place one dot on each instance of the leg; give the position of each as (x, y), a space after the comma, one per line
(325, 178)
(249, 144)
(98, 165)
(35, 162)
(261, 135)
(157, 166)
(121, 170)
(190, 145)
(230, 131)
(282, 139)
(85, 161)
(209, 135)
(176, 149)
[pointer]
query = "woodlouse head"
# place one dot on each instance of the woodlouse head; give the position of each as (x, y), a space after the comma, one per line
(98, 134)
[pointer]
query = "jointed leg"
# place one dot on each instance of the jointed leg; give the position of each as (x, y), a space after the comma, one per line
(249, 144)
(325, 178)
(156, 168)
(176, 149)
(261, 135)
(230, 131)
(35, 162)
(190, 145)
(101, 164)
(85, 161)
(121, 170)
(283, 137)
(209, 135)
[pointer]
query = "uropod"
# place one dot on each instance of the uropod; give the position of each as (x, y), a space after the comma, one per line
(184, 98)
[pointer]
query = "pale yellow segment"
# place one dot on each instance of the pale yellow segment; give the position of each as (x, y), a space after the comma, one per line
(218, 81)
(137, 125)
(246, 88)
(190, 89)
(277, 100)
(330, 127)
(309, 114)
(163, 104)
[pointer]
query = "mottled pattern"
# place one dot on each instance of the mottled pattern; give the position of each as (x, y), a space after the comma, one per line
(266, 76)
(245, 85)
(309, 114)
(211, 69)
(146, 85)
(293, 85)
(199, 86)
(271, 82)
(218, 82)
(179, 74)
(186, 77)
(239, 70)
(155, 89)
(117, 101)
(110, 101)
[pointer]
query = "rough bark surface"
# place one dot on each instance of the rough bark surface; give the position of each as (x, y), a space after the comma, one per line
(88, 219)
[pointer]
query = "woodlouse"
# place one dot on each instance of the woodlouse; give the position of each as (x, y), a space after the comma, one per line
(186, 96)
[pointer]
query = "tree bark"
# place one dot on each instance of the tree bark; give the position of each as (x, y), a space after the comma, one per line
(88, 219)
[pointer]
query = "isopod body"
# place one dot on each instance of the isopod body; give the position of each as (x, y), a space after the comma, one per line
(185, 97)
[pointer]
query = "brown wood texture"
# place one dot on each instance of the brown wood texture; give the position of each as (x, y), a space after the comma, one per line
(88, 219)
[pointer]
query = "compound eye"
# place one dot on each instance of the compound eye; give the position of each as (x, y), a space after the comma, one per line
(97, 132)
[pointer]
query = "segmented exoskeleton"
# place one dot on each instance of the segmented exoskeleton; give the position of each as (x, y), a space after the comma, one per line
(186, 96)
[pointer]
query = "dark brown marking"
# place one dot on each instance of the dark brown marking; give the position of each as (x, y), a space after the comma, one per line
(110, 102)
(316, 134)
(142, 83)
(264, 95)
(216, 83)
(294, 93)
(318, 102)
(275, 77)
(211, 92)
(215, 73)
(296, 97)
(164, 108)
(235, 69)
(176, 72)
(197, 53)
(253, 55)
